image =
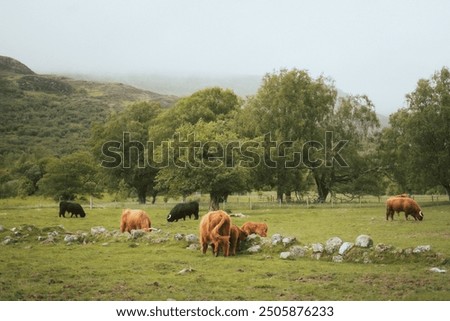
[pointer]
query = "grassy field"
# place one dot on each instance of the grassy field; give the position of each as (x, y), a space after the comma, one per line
(114, 267)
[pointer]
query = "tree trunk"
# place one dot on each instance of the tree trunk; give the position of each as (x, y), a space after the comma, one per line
(279, 195)
(214, 200)
(447, 189)
(322, 187)
(142, 194)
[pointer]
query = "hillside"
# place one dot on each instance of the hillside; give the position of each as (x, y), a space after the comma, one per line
(54, 113)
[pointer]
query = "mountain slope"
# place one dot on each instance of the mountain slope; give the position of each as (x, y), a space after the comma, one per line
(54, 113)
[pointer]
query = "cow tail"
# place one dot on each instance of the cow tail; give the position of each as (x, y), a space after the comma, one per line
(215, 230)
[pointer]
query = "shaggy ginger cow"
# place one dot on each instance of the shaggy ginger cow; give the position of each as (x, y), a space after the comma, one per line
(215, 230)
(134, 220)
(403, 204)
(254, 227)
(236, 236)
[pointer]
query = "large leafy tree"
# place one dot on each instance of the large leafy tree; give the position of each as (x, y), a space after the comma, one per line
(121, 144)
(421, 132)
(285, 114)
(203, 160)
(70, 176)
(198, 129)
(308, 128)
(353, 169)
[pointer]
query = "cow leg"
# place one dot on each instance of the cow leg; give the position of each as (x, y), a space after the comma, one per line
(204, 247)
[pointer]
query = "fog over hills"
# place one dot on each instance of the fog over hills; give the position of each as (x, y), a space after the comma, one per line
(184, 85)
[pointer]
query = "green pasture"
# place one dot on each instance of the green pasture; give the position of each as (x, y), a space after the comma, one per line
(119, 268)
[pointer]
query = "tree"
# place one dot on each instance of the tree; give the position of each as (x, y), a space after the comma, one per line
(307, 130)
(355, 168)
(422, 131)
(70, 176)
(285, 114)
(198, 129)
(202, 160)
(122, 146)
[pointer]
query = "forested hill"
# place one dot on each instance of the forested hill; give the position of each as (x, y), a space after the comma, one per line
(53, 114)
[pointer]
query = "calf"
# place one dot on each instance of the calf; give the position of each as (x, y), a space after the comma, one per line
(236, 236)
(254, 227)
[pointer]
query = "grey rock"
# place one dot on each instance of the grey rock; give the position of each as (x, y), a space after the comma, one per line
(254, 249)
(364, 241)
(317, 247)
(338, 258)
(98, 230)
(285, 255)
(382, 248)
(137, 233)
(437, 270)
(8, 240)
(288, 240)
(276, 239)
(191, 238)
(298, 251)
(316, 256)
(193, 247)
(422, 249)
(70, 238)
(178, 236)
(345, 247)
(333, 244)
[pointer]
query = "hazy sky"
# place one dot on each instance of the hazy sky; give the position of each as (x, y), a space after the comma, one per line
(379, 48)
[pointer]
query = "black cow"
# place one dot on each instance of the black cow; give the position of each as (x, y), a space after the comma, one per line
(182, 210)
(72, 208)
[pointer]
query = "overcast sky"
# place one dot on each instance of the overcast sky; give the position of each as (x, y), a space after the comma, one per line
(378, 48)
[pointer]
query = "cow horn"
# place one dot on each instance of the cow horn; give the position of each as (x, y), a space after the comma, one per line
(420, 213)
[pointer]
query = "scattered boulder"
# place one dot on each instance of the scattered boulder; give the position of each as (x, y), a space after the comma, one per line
(338, 258)
(191, 238)
(98, 230)
(422, 249)
(193, 247)
(276, 239)
(298, 251)
(69, 238)
(317, 247)
(364, 241)
(345, 247)
(1, 228)
(437, 270)
(333, 244)
(137, 233)
(8, 240)
(178, 236)
(288, 240)
(186, 270)
(254, 249)
(285, 255)
(382, 248)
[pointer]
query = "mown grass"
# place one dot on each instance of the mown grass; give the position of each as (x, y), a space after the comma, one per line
(122, 269)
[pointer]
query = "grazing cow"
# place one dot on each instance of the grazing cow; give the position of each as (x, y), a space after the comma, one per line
(181, 210)
(134, 220)
(72, 208)
(403, 204)
(215, 230)
(236, 236)
(254, 227)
